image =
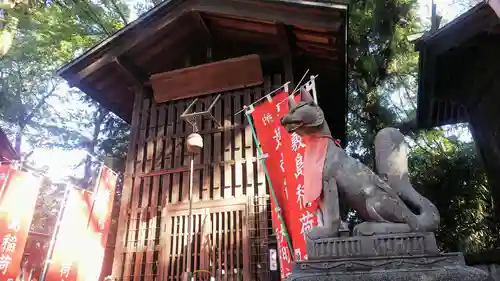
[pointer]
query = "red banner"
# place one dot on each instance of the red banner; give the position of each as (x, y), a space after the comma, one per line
(284, 164)
(19, 194)
(266, 122)
(81, 241)
(70, 249)
(304, 213)
(99, 225)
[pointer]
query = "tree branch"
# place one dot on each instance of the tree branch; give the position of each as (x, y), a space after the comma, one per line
(37, 107)
(120, 13)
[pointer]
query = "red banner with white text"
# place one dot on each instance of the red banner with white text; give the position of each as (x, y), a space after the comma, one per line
(266, 122)
(70, 246)
(81, 241)
(99, 225)
(19, 192)
(304, 213)
(284, 164)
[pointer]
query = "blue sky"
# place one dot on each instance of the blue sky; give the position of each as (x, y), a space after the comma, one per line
(60, 161)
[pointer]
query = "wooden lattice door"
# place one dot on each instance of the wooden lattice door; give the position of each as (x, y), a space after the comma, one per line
(219, 245)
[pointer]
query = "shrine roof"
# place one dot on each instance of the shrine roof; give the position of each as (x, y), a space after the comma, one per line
(453, 60)
(155, 41)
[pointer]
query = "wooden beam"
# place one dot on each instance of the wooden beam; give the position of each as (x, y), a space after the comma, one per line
(285, 45)
(131, 71)
(210, 78)
(259, 37)
(102, 97)
(272, 12)
(121, 233)
(202, 25)
(168, 42)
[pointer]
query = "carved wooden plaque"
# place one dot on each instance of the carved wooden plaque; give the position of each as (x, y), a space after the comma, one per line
(207, 78)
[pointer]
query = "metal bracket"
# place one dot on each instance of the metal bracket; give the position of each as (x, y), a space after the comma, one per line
(190, 117)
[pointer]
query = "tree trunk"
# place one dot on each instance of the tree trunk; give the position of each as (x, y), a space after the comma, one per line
(99, 117)
(18, 140)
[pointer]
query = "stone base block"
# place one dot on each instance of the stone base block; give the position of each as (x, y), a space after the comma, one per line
(440, 267)
(404, 244)
(448, 273)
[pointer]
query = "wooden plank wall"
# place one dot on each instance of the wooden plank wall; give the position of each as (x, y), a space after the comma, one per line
(157, 177)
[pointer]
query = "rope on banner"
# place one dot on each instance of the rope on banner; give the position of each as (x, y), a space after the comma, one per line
(309, 85)
(273, 194)
(285, 86)
(300, 81)
(265, 97)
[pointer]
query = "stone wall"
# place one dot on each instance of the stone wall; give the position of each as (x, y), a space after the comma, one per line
(493, 269)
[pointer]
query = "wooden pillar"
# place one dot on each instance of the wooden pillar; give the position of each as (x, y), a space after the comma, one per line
(486, 133)
(121, 236)
(343, 81)
(286, 50)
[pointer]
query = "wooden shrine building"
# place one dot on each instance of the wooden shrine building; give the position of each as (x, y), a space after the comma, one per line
(151, 70)
(459, 82)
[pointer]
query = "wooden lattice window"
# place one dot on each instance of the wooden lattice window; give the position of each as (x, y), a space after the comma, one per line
(219, 245)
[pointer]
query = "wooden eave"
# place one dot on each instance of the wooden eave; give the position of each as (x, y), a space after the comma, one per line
(448, 59)
(158, 40)
(7, 151)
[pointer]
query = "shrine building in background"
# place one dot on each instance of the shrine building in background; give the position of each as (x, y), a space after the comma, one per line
(459, 72)
(151, 70)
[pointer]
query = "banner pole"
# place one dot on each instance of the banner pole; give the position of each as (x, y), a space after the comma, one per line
(299, 88)
(259, 155)
(95, 193)
(54, 235)
(190, 217)
(5, 182)
(268, 95)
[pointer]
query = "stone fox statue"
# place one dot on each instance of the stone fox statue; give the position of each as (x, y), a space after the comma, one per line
(387, 201)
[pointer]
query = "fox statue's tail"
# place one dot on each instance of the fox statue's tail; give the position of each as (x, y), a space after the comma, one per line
(391, 156)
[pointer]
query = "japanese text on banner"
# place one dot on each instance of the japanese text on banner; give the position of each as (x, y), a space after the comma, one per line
(270, 134)
(286, 167)
(19, 195)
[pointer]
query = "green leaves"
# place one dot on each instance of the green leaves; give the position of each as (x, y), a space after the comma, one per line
(383, 68)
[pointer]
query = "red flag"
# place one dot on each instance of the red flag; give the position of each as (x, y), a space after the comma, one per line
(285, 166)
(70, 249)
(81, 241)
(304, 217)
(99, 225)
(19, 195)
(270, 135)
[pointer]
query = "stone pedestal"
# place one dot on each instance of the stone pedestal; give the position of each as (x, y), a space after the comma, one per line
(408, 257)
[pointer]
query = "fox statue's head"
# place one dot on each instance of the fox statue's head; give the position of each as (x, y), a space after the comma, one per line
(305, 117)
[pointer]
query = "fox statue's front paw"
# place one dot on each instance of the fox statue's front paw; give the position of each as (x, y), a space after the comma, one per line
(320, 232)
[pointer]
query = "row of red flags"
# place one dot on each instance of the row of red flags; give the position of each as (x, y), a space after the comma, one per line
(80, 242)
(285, 166)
